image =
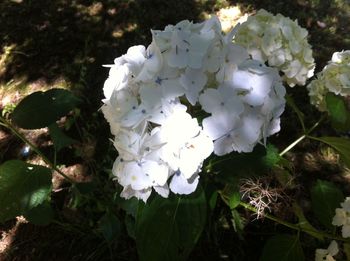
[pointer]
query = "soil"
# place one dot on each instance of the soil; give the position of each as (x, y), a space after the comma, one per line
(63, 43)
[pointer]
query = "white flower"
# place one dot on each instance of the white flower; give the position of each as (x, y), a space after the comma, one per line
(234, 55)
(160, 144)
(279, 41)
(221, 100)
(168, 80)
(117, 106)
(193, 81)
(253, 81)
(152, 64)
(334, 78)
(128, 193)
(327, 254)
(179, 133)
(180, 185)
(342, 217)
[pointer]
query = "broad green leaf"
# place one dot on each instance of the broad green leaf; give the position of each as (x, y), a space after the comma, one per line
(212, 200)
(336, 108)
(41, 109)
(341, 145)
(282, 248)
(168, 229)
(85, 187)
(231, 196)
(129, 222)
(41, 215)
(59, 138)
(325, 198)
(304, 223)
(129, 205)
(272, 156)
(23, 186)
(242, 163)
(110, 226)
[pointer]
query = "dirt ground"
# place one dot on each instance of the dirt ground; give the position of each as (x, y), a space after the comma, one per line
(63, 43)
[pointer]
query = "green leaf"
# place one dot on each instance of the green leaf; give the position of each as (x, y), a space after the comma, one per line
(168, 229)
(243, 165)
(41, 109)
(282, 248)
(325, 198)
(212, 200)
(304, 223)
(231, 196)
(129, 205)
(41, 215)
(110, 226)
(336, 108)
(272, 156)
(85, 187)
(60, 140)
(342, 145)
(23, 186)
(129, 222)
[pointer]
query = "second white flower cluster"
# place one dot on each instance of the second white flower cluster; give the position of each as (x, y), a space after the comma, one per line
(153, 96)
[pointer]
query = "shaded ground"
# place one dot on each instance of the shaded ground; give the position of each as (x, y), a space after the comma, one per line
(63, 43)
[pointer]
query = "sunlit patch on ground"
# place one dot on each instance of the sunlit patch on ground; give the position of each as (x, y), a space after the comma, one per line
(120, 30)
(230, 16)
(7, 237)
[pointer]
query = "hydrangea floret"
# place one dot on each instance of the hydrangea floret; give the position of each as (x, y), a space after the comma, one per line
(327, 254)
(150, 92)
(280, 42)
(334, 78)
(342, 217)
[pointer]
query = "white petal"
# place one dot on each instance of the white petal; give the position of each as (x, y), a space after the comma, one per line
(333, 248)
(210, 100)
(163, 191)
(218, 125)
(180, 185)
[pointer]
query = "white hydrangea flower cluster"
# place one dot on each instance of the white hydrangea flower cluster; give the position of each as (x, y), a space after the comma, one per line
(334, 78)
(148, 92)
(279, 41)
(327, 254)
(342, 217)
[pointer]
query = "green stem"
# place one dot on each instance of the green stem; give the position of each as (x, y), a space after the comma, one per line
(7, 124)
(294, 226)
(305, 135)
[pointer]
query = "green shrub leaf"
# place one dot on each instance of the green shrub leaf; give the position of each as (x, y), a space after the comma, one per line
(325, 198)
(41, 109)
(41, 215)
(168, 229)
(23, 186)
(282, 248)
(336, 108)
(110, 226)
(304, 223)
(59, 138)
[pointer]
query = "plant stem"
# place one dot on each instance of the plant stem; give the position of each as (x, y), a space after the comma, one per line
(292, 145)
(305, 135)
(8, 125)
(294, 226)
